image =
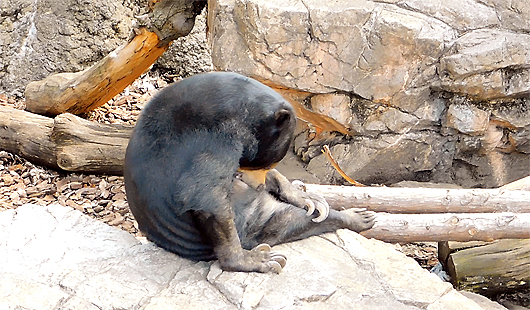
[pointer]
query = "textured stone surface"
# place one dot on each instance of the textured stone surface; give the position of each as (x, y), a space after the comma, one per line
(488, 64)
(38, 37)
(336, 106)
(457, 71)
(466, 119)
(370, 159)
(371, 49)
(41, 37)
(190, 54)
(56, 258)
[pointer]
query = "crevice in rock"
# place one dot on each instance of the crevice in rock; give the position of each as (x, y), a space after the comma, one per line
(406, 7)
(147, 300)
(341, 245)
(367, 266)
(310, 30)
(212, 281)
(316, 298)
(371, 20)
(447, 291)
(461, 32)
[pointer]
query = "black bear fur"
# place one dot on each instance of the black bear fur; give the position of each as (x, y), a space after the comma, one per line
(181, 168)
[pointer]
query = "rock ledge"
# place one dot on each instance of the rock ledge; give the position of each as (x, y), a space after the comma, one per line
(52, 257)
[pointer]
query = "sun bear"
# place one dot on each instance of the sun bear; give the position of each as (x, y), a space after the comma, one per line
(183, 169)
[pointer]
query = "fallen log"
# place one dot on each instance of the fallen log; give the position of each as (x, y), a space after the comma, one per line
(87, 146)
(27, 135)
(450, 226)
(86, 90)
(424, 200)
(489, 267)
(67, 142)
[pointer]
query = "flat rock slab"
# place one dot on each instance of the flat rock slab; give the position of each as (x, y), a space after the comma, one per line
(52, 257)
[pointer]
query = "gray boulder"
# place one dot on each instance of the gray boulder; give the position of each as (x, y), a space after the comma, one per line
(52, 257)
(364, 47)
(414, 81)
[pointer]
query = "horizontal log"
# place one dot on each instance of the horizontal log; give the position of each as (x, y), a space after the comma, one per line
(449, 227)
(89, 146)
(424, 200)
(67, 142)
(27, 135)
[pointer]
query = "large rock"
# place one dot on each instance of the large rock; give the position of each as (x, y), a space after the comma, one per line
(488, 64)
(57, 258)
(390, 70)
(371, 49)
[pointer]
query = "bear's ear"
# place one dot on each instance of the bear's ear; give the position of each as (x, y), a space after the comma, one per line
(283, 117)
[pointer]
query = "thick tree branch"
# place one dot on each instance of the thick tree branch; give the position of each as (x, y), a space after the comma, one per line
(86, 90)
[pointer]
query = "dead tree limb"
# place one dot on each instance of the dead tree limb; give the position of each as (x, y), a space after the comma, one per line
(86, 90)
(423, 200)
(491, 268)
(333, 162)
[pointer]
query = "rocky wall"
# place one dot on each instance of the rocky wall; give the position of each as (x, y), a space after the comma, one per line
(39, 37)
(42, 37)
(429, 90)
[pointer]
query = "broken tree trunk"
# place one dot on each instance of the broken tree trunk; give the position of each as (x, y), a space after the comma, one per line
(84, 91)
(67, 142)
(87, 146)
(489, 267)
(27, 135)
